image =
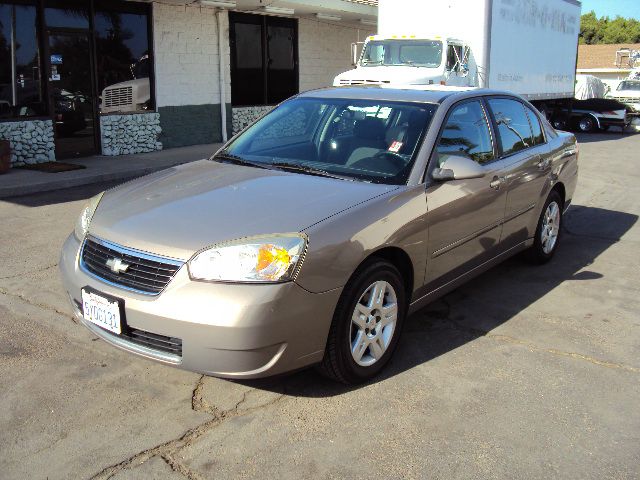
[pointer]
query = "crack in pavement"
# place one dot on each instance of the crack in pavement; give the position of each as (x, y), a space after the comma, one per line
(43, 306)
(562, 353)
(477, 332)
(180, 468)
(168, 449)
(40, 270)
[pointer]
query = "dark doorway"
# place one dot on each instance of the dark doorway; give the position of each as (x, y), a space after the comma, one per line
(264, 59)
(71, 93)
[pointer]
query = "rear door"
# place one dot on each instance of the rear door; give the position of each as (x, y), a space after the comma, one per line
(526, 154)
(465, 216)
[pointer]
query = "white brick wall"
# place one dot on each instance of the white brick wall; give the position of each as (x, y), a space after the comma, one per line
(186, 55)
(324, 50)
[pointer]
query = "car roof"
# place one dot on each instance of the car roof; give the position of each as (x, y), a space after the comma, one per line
(401, 93)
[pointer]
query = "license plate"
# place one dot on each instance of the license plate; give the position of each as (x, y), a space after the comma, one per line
(102, 311)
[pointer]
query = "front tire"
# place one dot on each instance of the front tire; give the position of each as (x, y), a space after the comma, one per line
(548, 232)
(366, 324)
(586, 124)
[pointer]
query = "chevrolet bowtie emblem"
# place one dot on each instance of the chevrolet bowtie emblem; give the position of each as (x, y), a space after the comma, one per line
(117, 266)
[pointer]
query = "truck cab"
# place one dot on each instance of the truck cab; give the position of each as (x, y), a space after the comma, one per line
(412, 60)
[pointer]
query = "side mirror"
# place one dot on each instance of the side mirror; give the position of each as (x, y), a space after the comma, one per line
(457, 167)
(354, 54)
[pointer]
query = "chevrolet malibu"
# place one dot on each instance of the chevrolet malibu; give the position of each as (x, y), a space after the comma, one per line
(309, 237)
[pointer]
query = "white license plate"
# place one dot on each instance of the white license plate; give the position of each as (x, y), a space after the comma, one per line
(100, 310)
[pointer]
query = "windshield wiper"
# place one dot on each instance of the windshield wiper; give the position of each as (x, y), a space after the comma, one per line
(372, 62)
(236, 160)
(294, 167)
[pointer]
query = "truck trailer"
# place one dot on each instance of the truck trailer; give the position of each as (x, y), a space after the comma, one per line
(528, 47)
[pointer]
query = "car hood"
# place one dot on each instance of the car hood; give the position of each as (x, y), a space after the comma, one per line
(178, 211)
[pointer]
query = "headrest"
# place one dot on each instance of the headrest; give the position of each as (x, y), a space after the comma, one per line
(370, 128)
(397, 133)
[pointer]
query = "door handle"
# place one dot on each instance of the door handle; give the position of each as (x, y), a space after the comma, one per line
(496, 182)
(544, 163)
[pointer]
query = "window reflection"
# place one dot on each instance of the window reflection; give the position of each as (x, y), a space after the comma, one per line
(122, 47)
(20, 76)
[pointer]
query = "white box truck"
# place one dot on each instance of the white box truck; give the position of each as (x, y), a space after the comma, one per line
(524, 46)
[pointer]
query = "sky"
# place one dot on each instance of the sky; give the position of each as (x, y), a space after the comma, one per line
(611, 8)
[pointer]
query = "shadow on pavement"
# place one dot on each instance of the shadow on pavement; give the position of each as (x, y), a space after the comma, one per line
(507, 290)
(54, 197)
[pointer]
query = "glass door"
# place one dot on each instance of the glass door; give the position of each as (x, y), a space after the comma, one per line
(71, 93)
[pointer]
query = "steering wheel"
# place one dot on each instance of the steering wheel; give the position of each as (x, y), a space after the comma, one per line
(395, 158)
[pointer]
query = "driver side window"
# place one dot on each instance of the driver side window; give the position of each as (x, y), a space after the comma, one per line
(466, 133)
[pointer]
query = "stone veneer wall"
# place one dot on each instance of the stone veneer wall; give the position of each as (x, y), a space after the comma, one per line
(243, 116)
(31, 141)
(131, 133)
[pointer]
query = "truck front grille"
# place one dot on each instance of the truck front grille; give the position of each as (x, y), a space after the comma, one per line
(144, 273)
(118, 97)
(363, 82)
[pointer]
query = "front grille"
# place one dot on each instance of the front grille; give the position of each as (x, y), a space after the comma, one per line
(144, 273)
(117, 97)
(154, 341)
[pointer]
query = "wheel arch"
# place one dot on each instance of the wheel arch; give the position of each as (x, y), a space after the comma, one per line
(562, 191)
(399, 259)
(592, 116)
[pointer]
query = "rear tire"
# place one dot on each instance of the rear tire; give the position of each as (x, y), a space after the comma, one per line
(548, 231)
(366, 325)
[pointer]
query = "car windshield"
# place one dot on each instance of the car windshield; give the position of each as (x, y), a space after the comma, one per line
(420, 53)
(365, 140)
(629, 85)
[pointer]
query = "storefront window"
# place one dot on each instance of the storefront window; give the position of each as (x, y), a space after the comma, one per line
(67, 15)
(20, 76)
(123, 61)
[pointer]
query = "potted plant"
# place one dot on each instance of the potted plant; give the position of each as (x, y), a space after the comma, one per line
(5, 156)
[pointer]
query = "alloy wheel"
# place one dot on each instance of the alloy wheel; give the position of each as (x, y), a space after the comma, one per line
(550, 228)
(373, 322)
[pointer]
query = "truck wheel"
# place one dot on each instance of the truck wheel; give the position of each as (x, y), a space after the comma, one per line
(559, 124)
(586, 124)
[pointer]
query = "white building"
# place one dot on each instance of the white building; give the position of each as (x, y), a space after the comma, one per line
(81, 77)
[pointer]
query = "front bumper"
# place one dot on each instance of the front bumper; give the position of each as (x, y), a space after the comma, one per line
(227, 330)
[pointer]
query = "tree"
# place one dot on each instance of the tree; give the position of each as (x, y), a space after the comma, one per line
(594, 30)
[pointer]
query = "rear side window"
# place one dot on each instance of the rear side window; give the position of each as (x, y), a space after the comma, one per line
(466, 133)
(513, 126)
(536, 129)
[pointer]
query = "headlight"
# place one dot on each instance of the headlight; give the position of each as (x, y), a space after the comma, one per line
(82, 225)
(272, 258)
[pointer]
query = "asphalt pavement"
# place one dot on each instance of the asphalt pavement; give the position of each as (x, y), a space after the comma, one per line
(525, 372)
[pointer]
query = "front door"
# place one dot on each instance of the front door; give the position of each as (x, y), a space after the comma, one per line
(465, 216)
(71, 93)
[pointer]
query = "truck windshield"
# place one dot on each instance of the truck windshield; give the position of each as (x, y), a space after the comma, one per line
(629, 85)
(419, 53)
(351, 139)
